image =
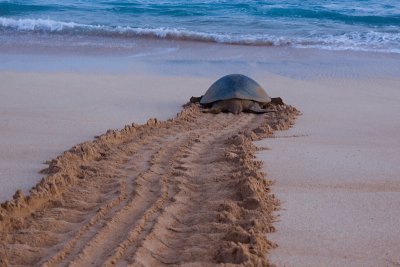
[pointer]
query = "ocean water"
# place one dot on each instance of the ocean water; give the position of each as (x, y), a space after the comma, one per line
(362, 25)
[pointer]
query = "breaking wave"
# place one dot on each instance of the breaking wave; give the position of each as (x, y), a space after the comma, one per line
(361, 41)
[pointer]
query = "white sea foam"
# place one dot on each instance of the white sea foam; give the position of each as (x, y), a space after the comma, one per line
(360, 41)
(37, 24)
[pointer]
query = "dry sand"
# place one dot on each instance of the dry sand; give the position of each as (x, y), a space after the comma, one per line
(186, 191)
(44, 113)
(337, 174)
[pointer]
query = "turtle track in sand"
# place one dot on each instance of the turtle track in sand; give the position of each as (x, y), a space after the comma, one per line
(186, 191)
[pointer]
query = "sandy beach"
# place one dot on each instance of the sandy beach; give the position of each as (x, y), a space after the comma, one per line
(336, 171)
(338, 176)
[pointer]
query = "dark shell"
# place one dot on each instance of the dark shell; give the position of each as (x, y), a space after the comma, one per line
(235, 86)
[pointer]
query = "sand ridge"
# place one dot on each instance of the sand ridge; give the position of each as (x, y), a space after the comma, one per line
(186, 191)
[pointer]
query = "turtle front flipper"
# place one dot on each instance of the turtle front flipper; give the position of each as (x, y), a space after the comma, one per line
(277, 101)
(195, 99)
(212, 110)
(219, 106)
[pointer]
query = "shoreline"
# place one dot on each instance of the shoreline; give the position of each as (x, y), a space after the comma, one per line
(176, 58)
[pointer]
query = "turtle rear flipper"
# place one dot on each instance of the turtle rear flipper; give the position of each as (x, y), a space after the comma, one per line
(277, 101)
(255, 107)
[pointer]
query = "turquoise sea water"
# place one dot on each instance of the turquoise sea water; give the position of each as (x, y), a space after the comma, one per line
(366, 25)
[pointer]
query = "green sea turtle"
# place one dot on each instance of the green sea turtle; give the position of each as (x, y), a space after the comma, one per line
(236, 93)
